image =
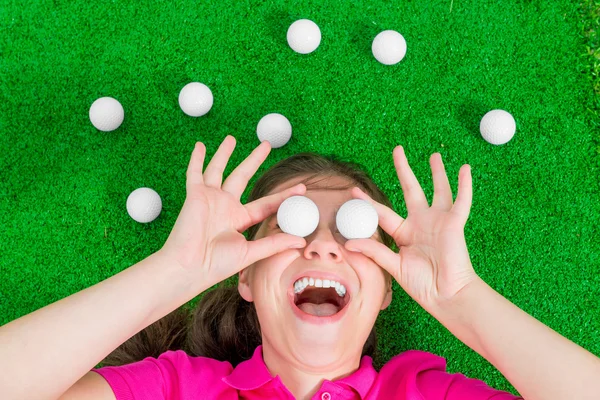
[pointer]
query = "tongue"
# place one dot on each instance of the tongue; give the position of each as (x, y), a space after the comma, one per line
(320, 310)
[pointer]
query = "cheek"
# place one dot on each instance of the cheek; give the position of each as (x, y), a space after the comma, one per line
(272, 267)
(371, 275)
(269, 275)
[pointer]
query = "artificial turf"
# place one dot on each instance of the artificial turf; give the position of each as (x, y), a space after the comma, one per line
(533, 228)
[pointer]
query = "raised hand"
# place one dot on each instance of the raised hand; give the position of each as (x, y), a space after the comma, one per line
(207, 238)
(433, 262)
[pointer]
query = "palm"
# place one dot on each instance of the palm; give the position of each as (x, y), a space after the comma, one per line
(211, 218)
(430, 239)
(433, 263)
(206, 239)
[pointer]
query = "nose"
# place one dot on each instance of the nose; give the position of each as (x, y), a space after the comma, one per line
(322, 244)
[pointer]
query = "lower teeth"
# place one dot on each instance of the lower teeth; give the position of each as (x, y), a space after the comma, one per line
(320, 310)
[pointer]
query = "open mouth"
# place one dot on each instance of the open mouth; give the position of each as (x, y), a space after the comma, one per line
(319, 300)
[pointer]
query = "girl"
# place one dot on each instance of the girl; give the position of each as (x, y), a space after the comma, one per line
(312, 343)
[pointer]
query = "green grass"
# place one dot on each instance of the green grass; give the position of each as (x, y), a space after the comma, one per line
(533, 229)
(590, 26)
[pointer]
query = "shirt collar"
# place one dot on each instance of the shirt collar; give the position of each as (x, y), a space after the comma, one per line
(250, 374)
(253, 373)
(362, 379)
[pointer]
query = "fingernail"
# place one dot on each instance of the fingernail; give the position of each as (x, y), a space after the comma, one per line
(355, 250)
(296, 246)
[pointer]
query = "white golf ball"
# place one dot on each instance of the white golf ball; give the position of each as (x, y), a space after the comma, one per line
(304, 36)
(106, 114)
(357, 219)
(298, 215)
(144, 205)
(275, 128)
(497, 127)
(389, 47)
(195, 99)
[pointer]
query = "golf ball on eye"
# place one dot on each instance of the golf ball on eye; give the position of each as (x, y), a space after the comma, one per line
(144, 205)
(389, 47)
(106, 114)
(195, 99)
(274, 128)
(298, 215)
(357, 219)
(304, 36)
(497, 127)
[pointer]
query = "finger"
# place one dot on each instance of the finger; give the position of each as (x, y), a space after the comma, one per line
(194, 171)
(237, 181)
(378, 252)
(270, 245)
(442, 193)
(260, 209)
(413, 194)
(389, 221)
(464, 198)
(213, 175)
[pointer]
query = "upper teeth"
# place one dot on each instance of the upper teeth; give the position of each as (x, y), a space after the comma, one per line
(302, 283)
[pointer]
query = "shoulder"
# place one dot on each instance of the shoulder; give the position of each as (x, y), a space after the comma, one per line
(177, 363)
(422, 375)
(183, 362)
(412, 362)
(398, 377)
(174, 371)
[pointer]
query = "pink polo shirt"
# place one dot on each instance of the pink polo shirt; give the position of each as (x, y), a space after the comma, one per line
(174, 375)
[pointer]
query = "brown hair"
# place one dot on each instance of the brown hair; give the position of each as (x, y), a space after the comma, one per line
(224, 326)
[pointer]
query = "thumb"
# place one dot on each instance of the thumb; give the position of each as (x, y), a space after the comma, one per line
(270, 245)
(378, 252)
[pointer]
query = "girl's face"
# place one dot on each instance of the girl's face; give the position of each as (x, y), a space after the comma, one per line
(289, 321)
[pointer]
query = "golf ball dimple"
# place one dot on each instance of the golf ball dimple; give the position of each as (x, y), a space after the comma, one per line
(298, 215)
(304, 36)
(106, 114)
(357, 219)
(144, 205)
(275, 128)
(497, 127)
(195, 99)
(389, 47)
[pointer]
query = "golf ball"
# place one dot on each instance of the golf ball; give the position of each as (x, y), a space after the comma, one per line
(304, 36)
(275, 128)
(357, 219)
(195, 99)
(298, 215)
(106, 114)
(497, 127)
(144, 205)
(389, 47)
